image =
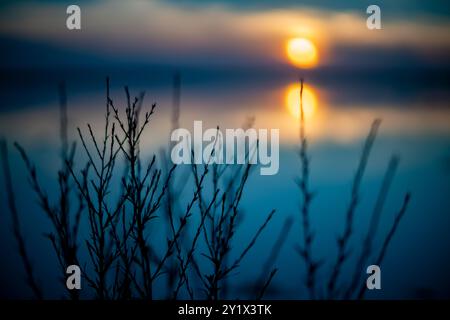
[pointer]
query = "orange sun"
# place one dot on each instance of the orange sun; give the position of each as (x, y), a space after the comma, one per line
(302, 52)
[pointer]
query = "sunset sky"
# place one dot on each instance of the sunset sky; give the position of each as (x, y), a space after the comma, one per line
(415, 33)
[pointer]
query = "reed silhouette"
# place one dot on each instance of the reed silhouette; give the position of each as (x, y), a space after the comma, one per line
(357, 286)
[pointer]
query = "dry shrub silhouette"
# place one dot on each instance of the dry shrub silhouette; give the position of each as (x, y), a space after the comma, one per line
(126, 259)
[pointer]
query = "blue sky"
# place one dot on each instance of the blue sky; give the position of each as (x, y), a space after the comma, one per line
(394, 8)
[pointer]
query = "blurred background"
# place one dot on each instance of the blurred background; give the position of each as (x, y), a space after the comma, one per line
(241, 59)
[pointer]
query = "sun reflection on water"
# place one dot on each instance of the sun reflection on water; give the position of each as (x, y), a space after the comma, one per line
(292, 101)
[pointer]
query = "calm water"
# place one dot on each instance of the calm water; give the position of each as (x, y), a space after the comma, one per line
(339, 110)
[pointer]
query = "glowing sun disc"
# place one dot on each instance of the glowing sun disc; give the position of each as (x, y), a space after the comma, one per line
(302, 52)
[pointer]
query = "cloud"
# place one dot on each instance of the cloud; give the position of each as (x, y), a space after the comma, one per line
(219, 33)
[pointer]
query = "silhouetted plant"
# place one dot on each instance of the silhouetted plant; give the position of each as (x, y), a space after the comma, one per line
(356, 287)
(126, 257)
(64, 216)
(16, 226)
(305, 250)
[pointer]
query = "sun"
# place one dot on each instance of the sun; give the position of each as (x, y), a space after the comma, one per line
(292, 100)
(302, 52)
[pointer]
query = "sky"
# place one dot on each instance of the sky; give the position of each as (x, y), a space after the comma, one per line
(226, 33)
